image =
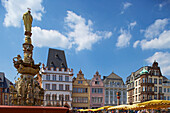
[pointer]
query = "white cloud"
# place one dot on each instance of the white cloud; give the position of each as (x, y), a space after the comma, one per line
(156, 36)
(16, 8)
(162, 42)
(125, 6)
(136, 44)
(49, 38)
(163, 59)
(82, 34)
(164, 3)
(132, 25)
(123, 39)
(156, 28)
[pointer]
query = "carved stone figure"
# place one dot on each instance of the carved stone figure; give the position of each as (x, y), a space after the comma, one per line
(27, 18)
(29, 94)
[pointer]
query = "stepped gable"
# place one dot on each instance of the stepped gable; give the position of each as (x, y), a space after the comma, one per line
(56, 58)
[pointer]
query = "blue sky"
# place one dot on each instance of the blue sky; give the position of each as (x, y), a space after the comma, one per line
(112, 35)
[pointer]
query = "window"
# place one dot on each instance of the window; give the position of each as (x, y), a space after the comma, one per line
(156, 72)
(47, 77)
(96, 78)
(160, 81)
(143, 80)
(146, 80)
(155, 89)
(164, 89)
(164, 97)
(136, 90)
(155, 96)
(146, 88)
(155, 80)
(67, 97)
(168, 98)
(80, 82)
(54, 97)
(97, 99)
(80, 90)
(60, 86)
(150, 97)
(139, 82)
(61, 97)
(80, 99)
(67, 78)
(161, 97)
(160, 89)
(60, 78)
(139, 90)
(5, 97)
(143, 88)
(54, 77)
(136, 83)
(53, 86)
(150, 88)
(47, 97)
(97, 82)
(168, 90)
(67, 87)
(47, 86)
(150, 80)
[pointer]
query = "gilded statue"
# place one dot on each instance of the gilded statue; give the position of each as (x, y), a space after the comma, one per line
(27, 18)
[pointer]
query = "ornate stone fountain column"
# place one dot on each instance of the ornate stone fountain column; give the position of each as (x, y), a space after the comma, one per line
(27, 90)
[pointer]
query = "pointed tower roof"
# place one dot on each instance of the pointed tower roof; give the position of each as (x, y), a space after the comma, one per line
(56, 58)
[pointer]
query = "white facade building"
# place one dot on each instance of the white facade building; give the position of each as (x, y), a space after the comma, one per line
(113, 84)
(57, 80)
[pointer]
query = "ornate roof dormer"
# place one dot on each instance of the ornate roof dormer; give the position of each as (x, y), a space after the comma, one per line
(155, 64)
(144, 71)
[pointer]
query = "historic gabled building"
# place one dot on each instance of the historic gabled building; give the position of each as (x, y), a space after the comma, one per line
(81, 92)
(166, 89)
(145, 84)
(97, 91)
(57, 80)
(4, 89)
(113, 84)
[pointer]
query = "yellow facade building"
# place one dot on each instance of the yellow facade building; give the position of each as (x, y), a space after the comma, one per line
(81, 92)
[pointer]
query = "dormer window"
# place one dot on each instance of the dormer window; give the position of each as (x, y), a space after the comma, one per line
(51, 63)
(97, 82)
(56, 56)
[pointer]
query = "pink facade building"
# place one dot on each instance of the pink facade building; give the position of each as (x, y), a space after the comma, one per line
(97, 97)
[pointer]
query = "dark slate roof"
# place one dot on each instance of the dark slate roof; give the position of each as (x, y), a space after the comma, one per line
(56, 58)
(5, 83)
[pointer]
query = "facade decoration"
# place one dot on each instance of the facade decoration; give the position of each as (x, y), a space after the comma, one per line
(113, 84)
(145, 84)
(97, 91)
(27, 90)
(81, 92)
(57, 80)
